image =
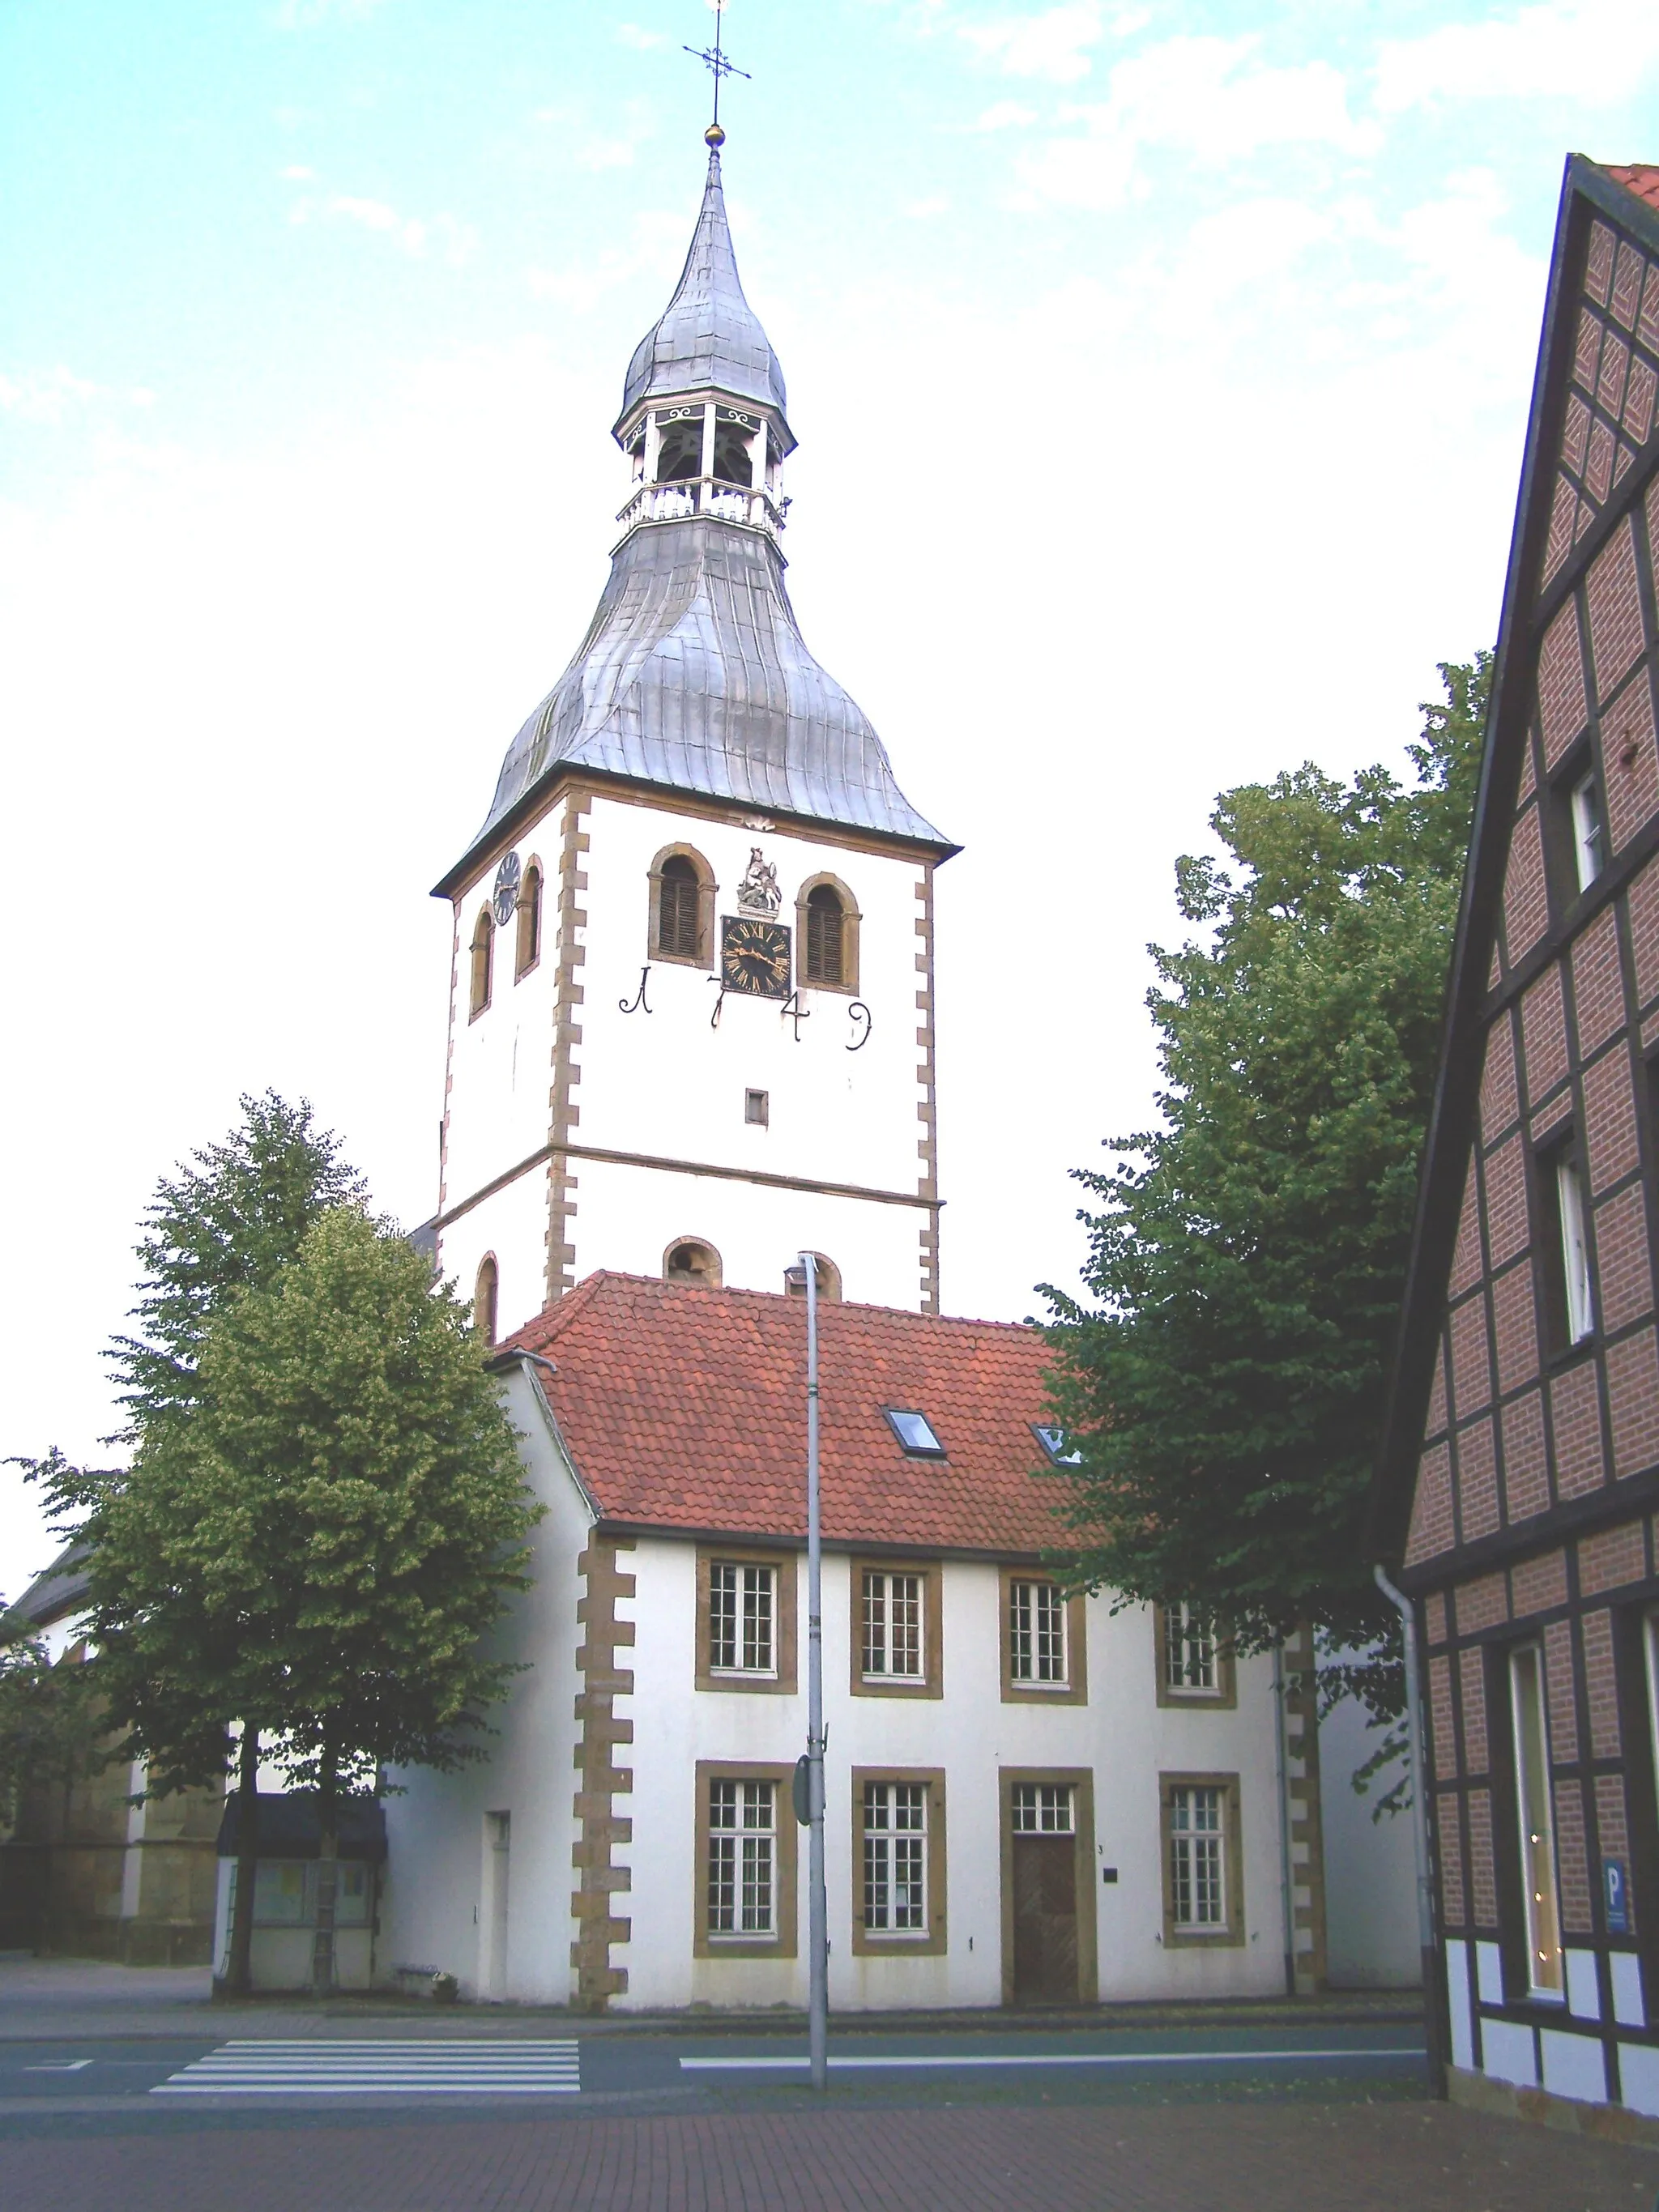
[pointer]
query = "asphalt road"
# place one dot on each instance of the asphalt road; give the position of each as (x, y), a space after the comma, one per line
(180, 2082)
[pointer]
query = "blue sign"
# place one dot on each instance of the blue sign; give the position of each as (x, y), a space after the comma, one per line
(1615, 1884)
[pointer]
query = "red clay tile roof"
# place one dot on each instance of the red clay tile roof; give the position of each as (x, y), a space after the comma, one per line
(686, 1409)
(1639, 179)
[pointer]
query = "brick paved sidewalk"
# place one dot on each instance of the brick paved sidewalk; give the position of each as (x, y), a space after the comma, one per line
(1211, 2158)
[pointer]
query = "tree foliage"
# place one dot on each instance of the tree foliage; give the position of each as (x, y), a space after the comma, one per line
(226, 1222)
(48, 1729)
(1226, 1386)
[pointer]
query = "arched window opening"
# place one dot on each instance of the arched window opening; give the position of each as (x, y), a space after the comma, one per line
(732, 463)
(829, 1274)
(828, 921)
(483, 952)
(484, 1299)
(682, 906)
(690, 1261)
(680, 455)
(824, 921)
(529, 920)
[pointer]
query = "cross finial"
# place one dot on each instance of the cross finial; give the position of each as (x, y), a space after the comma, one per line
(718, 66)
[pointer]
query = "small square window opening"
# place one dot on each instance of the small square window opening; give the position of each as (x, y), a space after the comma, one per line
(915, 1432)
(757, 1109)
(1052, 1441)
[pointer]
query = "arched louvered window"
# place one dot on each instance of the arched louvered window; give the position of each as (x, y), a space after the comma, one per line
(484, 1299)
(529, 920)
(829, 1275)
(484, 955)
(828, 923)
(682, 906)
(689, 1260)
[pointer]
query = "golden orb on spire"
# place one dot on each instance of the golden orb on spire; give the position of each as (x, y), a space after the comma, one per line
(715, 136)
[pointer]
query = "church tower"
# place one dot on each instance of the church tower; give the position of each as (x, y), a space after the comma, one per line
(691, 1000)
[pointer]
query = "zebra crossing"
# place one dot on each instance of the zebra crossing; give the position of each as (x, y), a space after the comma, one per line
(381, 2068)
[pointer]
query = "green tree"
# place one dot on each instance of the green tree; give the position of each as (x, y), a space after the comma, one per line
(48, 1730)
(346, 1494)
(173, 1670)
(1225, 1387)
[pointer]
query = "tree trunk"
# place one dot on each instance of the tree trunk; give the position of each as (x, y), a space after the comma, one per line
(328, 1870)
(239, 1967)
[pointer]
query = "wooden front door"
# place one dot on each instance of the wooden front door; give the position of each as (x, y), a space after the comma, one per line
(1045, 1919)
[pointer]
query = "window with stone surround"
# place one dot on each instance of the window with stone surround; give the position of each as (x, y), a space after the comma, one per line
(482, 954)
(1042, 1640)
(745, 1859)
(745, 1619)
(682, 914)
(899, 1840)
(1203, 1866)
(529, 921)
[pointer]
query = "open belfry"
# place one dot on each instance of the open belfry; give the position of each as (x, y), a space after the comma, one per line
(691, 1014)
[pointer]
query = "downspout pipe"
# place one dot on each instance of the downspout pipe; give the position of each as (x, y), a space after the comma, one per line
(1419, 1767)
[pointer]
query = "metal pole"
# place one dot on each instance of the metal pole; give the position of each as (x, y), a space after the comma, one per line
(1403, 1606)
(817, 1909)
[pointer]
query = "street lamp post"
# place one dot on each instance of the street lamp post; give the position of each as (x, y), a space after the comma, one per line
(817, 1922)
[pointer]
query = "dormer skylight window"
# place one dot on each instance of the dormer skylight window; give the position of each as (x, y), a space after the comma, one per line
(1053, 1443)
(915, 1432)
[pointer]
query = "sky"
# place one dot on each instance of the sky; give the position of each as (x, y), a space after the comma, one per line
(1160, 373)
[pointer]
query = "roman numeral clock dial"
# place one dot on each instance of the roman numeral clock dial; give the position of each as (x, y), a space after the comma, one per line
(754, 957)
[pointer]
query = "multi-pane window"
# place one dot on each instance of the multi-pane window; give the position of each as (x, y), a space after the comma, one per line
(1042, 1808)
(1197, 1892)
(896, 1858)
(742, 1617)
(743, 1843)
(1189, 1661)
(1532, 1775)
(1587, 835)
(1578, 1310)
(1036, 1633)
(893, 1644)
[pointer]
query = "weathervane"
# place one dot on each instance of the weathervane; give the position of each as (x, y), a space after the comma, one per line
(718, 66)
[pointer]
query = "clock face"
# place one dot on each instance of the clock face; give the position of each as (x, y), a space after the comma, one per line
(507, 891)
(754, 957)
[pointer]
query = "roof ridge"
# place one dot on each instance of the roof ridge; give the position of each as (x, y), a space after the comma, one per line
(770, 1298)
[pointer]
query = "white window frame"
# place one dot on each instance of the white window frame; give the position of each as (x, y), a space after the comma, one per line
(895, 1834)
(1535, 1825)
(742, 1619)
(1588, 834)
(1192, 1665)
(1575, 1248)
(1039, 1634)
(1043, 1809)
(741, 1905)
(894, 1626)
(1197, 1844)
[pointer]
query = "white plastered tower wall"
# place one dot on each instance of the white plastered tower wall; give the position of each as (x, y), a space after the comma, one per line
(657, 1083)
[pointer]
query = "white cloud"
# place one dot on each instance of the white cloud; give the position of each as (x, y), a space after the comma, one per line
(298, 174)
(630, 35)
(1006, 115)
(1052, 45)
(936, 203)
(451, 241)
(1193, 96)
(1596, 50)
(44, 396)
(306, 15)
(599, 149)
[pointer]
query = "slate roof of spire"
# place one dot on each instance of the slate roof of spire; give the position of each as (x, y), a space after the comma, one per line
(707, 336)
(693, 675)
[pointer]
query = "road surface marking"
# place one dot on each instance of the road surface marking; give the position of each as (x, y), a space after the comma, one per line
(1050, 2058)
(321, 2068)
